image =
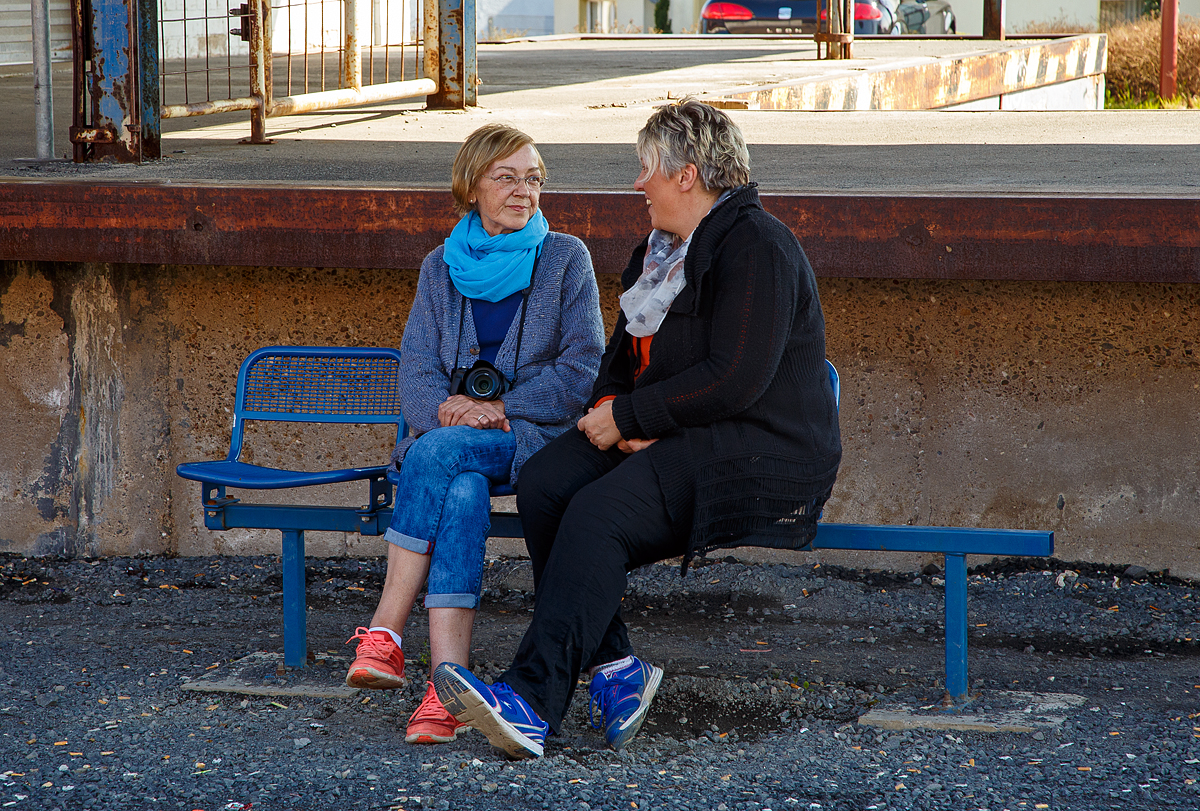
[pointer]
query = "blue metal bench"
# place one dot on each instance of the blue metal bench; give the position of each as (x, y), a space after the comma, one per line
(347, 385)
(313, 385)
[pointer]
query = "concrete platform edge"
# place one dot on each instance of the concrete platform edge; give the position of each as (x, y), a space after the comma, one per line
(934, 83)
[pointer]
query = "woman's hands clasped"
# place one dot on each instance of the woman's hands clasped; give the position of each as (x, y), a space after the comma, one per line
(602, 430)
(458, 409)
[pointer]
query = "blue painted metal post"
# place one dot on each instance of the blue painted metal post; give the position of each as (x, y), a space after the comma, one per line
(295, 627)
(119, 119)
(956, 626)
(458, 72)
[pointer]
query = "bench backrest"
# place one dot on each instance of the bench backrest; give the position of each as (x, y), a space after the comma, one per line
(836, 382)
(318, 384)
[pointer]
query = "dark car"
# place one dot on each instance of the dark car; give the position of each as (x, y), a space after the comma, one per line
(800, 17)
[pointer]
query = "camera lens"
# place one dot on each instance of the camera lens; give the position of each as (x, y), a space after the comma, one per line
(483, 384)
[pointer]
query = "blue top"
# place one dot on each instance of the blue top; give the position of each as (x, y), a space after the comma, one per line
(492, 320)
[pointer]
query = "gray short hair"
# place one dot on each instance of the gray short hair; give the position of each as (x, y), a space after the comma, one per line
(691, 131)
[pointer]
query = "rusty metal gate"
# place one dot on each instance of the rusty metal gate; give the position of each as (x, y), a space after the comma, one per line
(139, 61)
(275, 57)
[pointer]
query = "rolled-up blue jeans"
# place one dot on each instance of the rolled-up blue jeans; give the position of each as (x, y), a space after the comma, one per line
(443, 508)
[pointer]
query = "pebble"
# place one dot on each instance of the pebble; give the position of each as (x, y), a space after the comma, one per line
(736, 735)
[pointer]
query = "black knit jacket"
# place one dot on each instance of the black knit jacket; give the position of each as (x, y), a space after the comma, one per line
(737, 390)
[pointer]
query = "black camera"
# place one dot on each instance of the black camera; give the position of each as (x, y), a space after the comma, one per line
(482, 381)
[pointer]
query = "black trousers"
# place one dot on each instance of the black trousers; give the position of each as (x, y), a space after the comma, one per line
(590, 517)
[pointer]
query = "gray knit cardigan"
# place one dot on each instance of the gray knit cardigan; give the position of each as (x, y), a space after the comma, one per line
(560, 348)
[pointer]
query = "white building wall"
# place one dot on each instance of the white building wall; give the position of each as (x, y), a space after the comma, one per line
(496, 19)
(319, 24)
(622, 16)
(969, 17)
(685, 16)
(16, 31)
(196, 28)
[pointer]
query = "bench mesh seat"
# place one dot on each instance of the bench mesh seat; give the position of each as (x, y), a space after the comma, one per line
(254, 477)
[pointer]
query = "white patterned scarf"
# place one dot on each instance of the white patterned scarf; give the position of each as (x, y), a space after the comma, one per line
(646, 303)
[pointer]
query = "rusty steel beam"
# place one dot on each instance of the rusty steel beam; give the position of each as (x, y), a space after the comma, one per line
(370, 94)
(458, 68)
(429, 41)
(994, 19)
(81, 48)
(1168, 63)
(1050, 237)
(352, 47)
(207, 107)
(260, 60)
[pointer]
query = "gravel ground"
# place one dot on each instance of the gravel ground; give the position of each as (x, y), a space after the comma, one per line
(768, 669)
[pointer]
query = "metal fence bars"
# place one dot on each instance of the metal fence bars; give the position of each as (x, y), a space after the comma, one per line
(835, 29)
(322, 54)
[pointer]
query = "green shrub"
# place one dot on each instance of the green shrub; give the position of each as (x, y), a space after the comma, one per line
(662, 18)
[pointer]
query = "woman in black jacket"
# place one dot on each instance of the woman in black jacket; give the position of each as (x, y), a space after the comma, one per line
(713, 424)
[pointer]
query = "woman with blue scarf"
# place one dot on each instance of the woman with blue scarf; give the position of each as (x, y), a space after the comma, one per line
(501, 349)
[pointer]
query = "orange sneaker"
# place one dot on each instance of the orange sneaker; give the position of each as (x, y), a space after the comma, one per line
(378, 663)
(431, 723)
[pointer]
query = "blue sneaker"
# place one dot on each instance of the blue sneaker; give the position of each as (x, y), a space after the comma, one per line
(499, 713)
(620, 700)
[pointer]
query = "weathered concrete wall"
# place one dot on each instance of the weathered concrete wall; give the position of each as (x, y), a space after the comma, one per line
(1029, 405)
(86, 431)
(1070, 407)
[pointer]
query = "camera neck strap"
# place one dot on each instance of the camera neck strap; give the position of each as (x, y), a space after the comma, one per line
(462, 314)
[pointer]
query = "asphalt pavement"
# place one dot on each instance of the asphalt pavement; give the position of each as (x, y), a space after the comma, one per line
(584, 101)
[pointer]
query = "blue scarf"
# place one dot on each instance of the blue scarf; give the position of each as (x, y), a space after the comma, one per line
(492, 268)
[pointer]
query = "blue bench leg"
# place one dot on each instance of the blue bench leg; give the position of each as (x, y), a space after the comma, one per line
(295, 629)
(956, 627)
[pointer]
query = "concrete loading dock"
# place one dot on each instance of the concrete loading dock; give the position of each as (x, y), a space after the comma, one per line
(1010, 298)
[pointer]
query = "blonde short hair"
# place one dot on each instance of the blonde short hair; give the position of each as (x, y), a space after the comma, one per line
(693, 132)
(482, 148)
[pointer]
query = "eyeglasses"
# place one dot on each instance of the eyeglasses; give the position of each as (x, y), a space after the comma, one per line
(509, 182)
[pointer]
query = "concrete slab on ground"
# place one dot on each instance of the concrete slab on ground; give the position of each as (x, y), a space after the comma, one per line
(263, 674)
(997, 711)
